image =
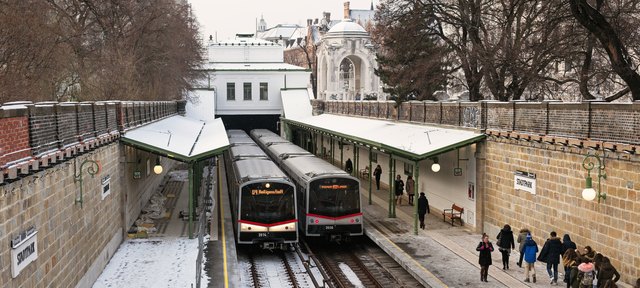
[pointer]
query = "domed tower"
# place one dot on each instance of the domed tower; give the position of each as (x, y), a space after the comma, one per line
(346, 63)
(262, 25)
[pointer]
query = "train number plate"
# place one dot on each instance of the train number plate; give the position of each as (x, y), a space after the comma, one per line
(262, 235)
(328, 227)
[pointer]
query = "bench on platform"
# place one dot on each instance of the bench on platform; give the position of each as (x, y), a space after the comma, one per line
(364, 173)
(454, 213)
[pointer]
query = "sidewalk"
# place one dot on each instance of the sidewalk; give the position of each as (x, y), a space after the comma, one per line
(441, 255)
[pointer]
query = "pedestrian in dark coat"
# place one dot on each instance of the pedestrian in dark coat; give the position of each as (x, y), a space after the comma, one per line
(505, 244)
(348, 166)
(529, 250)
(522, 236)
(607, 272)
(569, 259)
(423, 208)
(550, 254)
(399, 184)
(377, 173)
(567, 243)
(485, 247)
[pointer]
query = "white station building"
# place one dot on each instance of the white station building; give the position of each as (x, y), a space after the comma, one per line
(244, 81)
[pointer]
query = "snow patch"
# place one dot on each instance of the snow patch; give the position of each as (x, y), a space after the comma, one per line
(351, 276)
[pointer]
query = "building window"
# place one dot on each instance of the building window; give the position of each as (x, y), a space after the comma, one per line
(264, 91)
(374, 157)
(247, 91)
(231, 91)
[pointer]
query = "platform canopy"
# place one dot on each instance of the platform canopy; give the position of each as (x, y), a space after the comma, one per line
(410, 141)
(180, 138)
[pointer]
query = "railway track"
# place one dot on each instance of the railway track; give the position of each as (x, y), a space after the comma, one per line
(320, 264)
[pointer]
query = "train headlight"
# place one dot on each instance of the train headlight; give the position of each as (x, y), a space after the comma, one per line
(289, 227)
(252, 228)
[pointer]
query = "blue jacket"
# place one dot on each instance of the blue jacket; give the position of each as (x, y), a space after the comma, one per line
(529, 250)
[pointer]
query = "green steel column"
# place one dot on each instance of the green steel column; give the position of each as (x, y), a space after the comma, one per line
(390, 186)
(341, 154)
(393, 210)
(370, 171)
(322, 145)
(416, 174)
(356, 160)
(332, 151)
(191, 179)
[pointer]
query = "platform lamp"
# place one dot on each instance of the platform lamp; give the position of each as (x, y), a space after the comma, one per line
(158, 168)
(435, 167)
(589, 163)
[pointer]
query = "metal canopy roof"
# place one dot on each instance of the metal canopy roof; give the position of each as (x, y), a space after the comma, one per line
(180, 138)
(410, 141)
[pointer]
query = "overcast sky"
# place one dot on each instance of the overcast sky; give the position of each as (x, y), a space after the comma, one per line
(239, 16)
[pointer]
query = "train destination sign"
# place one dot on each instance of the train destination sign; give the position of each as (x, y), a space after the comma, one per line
(24, 250)
(333, 187)
(255, 192)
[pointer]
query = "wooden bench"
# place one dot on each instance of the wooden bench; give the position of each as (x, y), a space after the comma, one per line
(454, 213)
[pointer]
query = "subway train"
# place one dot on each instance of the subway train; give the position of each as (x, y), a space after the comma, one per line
(263, 199)
(328, 197)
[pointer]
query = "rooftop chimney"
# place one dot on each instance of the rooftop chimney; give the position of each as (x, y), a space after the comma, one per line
(346, 10)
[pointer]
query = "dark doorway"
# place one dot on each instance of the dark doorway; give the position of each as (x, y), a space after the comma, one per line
(250, 122)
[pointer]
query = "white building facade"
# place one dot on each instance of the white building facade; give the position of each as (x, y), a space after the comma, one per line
(247, 76)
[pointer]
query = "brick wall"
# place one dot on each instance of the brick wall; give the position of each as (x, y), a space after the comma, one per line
(54, 132)
(14, 134)
(611, 227)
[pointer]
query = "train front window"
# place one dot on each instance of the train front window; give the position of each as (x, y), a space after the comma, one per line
(267, 204)
(334, 197)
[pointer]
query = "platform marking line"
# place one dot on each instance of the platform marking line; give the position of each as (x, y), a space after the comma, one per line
(224, 239)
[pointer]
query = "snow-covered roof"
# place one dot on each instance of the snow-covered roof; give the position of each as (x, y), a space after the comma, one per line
(280, 31)
(180, 138)
(244, 41)
(295, 102)
(413, 141)
(251, 66)
(347, 28)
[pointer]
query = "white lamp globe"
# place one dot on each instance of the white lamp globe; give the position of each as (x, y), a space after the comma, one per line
(435, 167)
(157, 169)
(589, 194)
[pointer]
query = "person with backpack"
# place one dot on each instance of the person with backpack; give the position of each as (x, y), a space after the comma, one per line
(522, 237)
(569, 259)
(586, 274)
(529, 250)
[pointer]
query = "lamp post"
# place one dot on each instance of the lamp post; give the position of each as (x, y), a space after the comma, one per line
(93, 169)
(589, 163)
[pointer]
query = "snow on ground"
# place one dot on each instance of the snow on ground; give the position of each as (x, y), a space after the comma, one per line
(153, 262)
(353, 278)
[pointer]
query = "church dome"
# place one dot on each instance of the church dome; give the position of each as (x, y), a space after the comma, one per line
(347, 28)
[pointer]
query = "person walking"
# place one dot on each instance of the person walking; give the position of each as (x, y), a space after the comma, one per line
(586, 274)
(423, 208)
(529, 250)
(505, 245)
(522, 236)
(410, 187)
(399, 184)
(607, 272)
(569, 258)
(484, 259)
(567, 243)
(377, 173)
(550, 254)
(573, 273)
(348, 166)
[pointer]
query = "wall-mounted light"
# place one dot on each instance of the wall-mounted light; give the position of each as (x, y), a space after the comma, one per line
(435, 167)
(589, 163)
(158, 168)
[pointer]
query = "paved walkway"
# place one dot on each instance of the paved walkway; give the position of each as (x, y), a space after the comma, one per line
(441, 255)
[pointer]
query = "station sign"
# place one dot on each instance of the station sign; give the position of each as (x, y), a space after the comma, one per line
(106, 186)
(525, 181)
(24, 250)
